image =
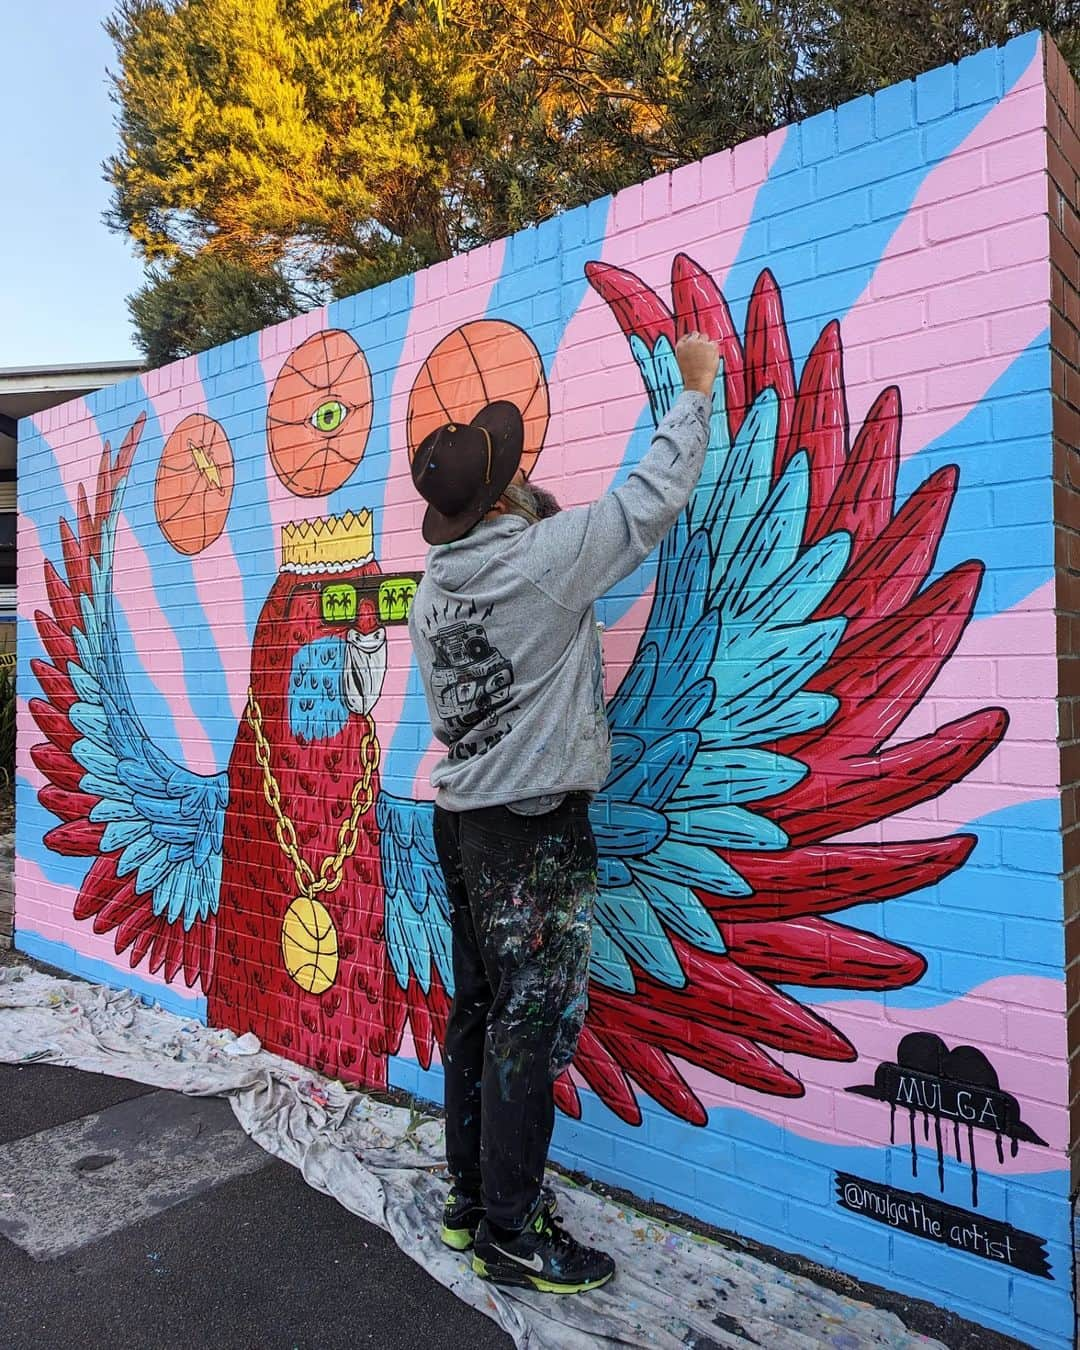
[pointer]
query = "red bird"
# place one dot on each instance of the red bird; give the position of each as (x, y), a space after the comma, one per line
(794, 626)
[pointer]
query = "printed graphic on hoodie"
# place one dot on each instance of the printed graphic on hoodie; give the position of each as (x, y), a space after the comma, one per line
(472, 681)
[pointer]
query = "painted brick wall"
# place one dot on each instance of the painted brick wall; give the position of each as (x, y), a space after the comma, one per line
(829, 1008)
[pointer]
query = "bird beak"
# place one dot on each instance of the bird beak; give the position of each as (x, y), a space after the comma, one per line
(365, 670)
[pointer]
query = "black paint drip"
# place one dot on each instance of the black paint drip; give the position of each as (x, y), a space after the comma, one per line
(914, 1150)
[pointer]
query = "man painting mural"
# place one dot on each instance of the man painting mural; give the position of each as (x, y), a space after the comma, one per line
(507, 645)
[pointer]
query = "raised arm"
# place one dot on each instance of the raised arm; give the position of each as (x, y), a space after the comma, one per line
(578, 555)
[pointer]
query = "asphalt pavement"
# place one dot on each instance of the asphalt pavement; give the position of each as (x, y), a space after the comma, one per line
(131, 1217)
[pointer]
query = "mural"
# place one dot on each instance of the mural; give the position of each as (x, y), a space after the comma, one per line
(768, 669)
(828, 879)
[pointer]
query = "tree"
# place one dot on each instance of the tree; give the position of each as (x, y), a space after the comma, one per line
(192, 303)
(323, 146)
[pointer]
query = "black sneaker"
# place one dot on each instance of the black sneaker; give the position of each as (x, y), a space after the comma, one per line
(542, 1256)
(461, 1218)
(462, 1214)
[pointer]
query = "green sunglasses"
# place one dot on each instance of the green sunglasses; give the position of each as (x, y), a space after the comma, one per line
(340, 600)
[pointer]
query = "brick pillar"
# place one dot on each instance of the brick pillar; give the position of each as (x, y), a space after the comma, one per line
(1063, 161)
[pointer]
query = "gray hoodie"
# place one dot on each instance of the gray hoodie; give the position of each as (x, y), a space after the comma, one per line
(506, 638)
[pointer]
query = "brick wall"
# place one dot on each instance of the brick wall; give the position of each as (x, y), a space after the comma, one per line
(839, 939)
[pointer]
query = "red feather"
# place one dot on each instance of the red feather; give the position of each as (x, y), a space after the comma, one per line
(72, 806)
(606, 1079)
(64, 605)
(882, 672)
(768, 358)
(700, 307)
(821, 878)
(642, 1059)
(77, 839)
(862, 503)
(58, 767)
(811, 951)
(566, 1096)
(57, 643)
(420, 1022)
(55, 686)
(638, 309)
(874, 787)
(75, 562)
(891, 570)
(820, 423)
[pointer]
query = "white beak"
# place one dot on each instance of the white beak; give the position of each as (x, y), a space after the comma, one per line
(365, 670)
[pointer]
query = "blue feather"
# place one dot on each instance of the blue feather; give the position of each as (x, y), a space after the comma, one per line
(804, 587)
(107, 810)
(629, 707)
(174, 835)
(152, 871)
(768, 548)
(416, 904)
(89, 721)
(730, 827)
(121, 833)
(626, 828)
(607, 964)
(204, 846)
(612, 872)
(136, 853)
(652, 778)
(626, 752)
(85, 686)
(630, 920)
(719, 777)
(159, 810)
(681, 910)
(703, 501)
(745, 480)
(681, 865)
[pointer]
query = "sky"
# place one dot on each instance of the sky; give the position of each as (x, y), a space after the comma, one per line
(64, 277)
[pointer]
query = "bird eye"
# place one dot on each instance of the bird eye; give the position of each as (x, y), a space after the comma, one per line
(329, 416)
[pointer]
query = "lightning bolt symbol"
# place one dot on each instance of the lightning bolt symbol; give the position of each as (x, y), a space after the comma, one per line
(204, 462)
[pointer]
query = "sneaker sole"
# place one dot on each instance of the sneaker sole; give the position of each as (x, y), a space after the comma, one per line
(457, 1239)
(521, 1279)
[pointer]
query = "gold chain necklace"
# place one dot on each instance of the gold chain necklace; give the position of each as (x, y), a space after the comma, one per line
(308, 936)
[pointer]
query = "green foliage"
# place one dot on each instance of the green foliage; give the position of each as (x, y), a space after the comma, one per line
(196, 302)
(7, 729)
(274, 152)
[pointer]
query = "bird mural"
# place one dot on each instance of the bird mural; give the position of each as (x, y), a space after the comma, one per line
(795, 623)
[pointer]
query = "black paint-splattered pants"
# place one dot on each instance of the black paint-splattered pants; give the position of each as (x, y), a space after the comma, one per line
(522, 890)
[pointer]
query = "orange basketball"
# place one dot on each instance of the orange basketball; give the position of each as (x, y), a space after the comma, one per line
(481, 363)
(194, 484)
(319, 416)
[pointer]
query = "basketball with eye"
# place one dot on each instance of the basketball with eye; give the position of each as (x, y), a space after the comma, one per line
(482, 362)
(309, 945)
(319, 416)
(194, 484)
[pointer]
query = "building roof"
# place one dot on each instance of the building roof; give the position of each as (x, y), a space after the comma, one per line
(25, 390)
(28, 389)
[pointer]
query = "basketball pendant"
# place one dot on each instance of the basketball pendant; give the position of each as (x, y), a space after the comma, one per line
(309, 945)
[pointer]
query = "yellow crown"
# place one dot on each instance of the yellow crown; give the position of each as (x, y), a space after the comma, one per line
(333, 544)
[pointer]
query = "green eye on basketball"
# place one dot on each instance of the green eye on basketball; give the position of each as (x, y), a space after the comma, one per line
(329, 416)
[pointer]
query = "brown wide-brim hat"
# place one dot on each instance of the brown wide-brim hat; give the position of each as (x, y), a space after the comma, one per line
(462, 471)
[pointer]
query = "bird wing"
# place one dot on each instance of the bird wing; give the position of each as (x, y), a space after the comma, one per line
(417, 918)
(788, 638)
(152, 827)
